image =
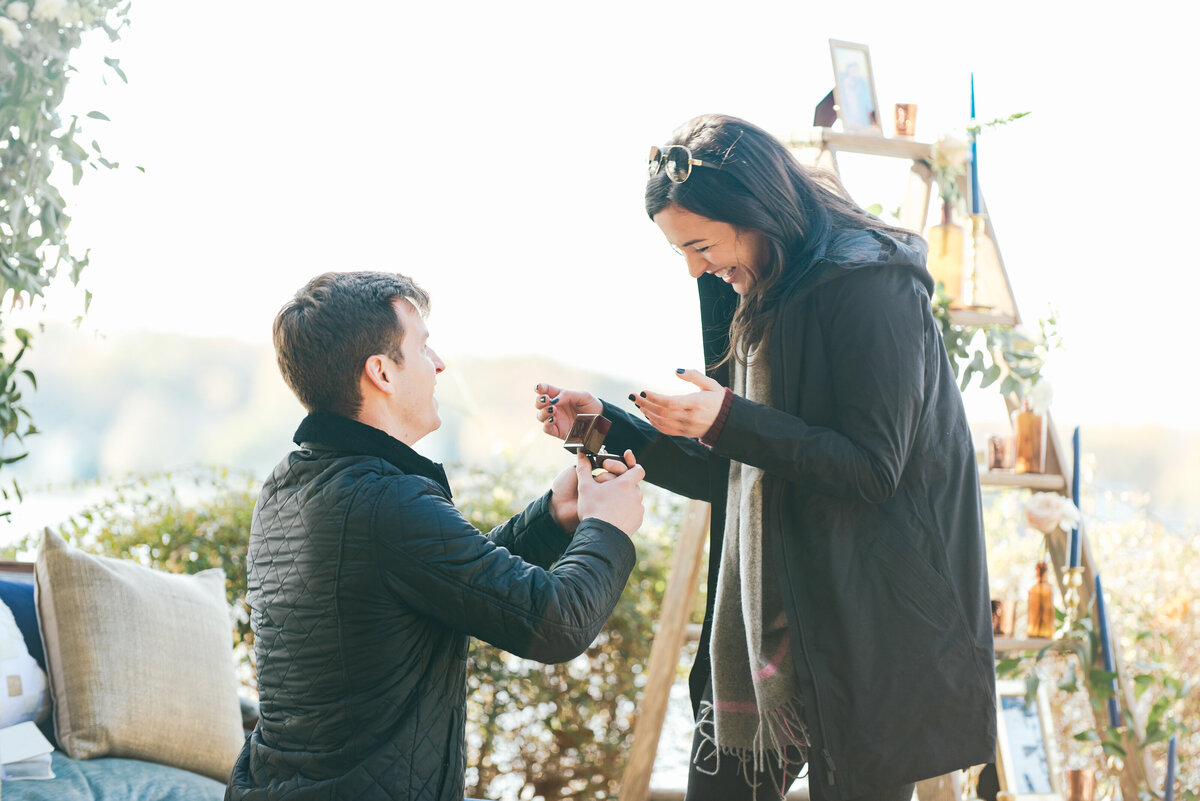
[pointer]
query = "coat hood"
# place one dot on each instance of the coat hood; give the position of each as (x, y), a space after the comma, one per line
(852, 249)
(846, 250)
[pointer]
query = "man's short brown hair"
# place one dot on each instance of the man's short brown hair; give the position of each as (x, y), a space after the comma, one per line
(325, 334)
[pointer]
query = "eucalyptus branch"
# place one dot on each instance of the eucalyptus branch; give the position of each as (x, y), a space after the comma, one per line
(976, 128)
(36, 43)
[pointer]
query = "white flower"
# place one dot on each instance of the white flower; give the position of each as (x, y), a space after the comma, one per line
(50, 10)
(1040, 396)
(10, 34)
(1047, 511)
(950, 150)
(18, 11)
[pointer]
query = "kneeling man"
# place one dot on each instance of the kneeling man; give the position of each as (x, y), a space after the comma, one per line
(365, 582)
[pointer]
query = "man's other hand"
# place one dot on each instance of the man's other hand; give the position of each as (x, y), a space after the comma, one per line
(564, 492)
(611, 497)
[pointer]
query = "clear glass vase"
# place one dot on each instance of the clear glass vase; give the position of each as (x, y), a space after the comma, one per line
(946, 255)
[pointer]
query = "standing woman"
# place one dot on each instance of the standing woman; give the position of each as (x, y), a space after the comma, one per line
(848, 624)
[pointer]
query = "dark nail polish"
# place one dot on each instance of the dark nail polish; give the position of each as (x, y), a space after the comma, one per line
(632, 398)
(554, 401)
(542, 399)
(680, 370)
(643, 394)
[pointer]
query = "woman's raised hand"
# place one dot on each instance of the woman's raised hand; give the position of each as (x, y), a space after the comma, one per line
(688, 415)
(556, 408)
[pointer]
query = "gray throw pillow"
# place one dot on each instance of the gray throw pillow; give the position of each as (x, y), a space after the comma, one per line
(140, 661)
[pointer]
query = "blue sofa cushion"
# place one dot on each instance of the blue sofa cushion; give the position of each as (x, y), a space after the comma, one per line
(18, 595)
(112, 779)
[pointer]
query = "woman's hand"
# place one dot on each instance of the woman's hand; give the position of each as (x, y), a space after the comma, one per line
(688, 415)
(556, 408)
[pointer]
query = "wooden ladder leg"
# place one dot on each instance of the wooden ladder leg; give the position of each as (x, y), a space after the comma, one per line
(678, 601)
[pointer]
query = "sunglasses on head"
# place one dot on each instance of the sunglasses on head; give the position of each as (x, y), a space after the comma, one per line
(677, 160)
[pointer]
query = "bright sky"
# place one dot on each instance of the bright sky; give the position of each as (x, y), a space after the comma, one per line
(495, 152)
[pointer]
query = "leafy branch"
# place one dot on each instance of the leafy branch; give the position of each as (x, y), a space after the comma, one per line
(949, 158)
(996, 352)
(1087, 672)
(35, 48)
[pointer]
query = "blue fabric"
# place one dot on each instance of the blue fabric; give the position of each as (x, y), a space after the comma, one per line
(114, 780)
(18, 596)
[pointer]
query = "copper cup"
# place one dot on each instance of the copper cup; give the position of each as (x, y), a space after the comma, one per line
(906, 119)
(1001, 452)
(1004, 616)
(1079, 784)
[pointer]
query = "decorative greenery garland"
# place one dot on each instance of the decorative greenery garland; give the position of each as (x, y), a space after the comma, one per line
(36, 42)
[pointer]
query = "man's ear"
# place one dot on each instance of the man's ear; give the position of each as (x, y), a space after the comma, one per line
(379, 374)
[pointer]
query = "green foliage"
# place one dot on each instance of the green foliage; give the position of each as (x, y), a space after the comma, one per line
(1151, 574)
(558, 730)
(1167, 689)
(977, 128)
(996, 352)
(562, 731)
(949, 159)
(36, 42)
(178, 522)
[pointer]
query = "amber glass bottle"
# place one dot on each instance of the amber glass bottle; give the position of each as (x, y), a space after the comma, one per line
(945, 260)
(1031, 440)
(1041, 606)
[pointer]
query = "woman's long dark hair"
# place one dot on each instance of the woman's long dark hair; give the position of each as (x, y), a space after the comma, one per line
(760, 186)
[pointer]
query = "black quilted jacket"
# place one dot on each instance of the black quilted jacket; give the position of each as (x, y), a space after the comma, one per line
(365, 584)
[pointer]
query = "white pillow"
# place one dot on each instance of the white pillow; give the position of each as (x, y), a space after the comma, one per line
(23, 693)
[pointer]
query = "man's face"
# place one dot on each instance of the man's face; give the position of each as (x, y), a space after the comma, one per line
(414, 405)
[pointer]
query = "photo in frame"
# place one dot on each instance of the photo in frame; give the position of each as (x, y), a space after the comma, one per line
(1025, 761)
(854, 87)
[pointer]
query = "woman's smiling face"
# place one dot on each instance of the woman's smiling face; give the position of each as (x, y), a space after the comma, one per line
(734, 255)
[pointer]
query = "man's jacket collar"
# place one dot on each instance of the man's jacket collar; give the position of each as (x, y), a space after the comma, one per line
(325, 430)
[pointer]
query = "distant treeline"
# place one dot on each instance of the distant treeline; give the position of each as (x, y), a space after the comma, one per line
(147, 402)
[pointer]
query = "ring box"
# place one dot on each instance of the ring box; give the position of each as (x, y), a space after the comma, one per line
(587, 435)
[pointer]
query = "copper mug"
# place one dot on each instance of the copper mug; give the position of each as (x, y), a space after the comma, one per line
(1004, 617)
(1001, 452)
(1079, 784)
(906, 119)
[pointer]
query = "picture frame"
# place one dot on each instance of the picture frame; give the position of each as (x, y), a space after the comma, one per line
(1025, 762)
(854, 87)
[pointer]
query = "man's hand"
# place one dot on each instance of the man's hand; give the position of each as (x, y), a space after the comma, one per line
(688, 415)
(615, 499)
(556, 408)
(564, 492)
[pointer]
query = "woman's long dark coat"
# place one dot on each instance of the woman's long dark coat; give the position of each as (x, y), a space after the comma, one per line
(871, 499)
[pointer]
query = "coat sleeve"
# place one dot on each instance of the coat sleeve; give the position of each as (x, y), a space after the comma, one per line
(532, 535)
(875, 333)
(679, 464)
(435, 562)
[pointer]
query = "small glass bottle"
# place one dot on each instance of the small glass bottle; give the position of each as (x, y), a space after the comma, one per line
(1041, 606)
(945, 258)
(1031, 440)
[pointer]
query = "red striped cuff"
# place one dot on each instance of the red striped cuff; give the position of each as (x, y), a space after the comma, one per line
(710, 437)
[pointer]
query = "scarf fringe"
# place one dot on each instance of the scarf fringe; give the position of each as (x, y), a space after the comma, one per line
(778, 730)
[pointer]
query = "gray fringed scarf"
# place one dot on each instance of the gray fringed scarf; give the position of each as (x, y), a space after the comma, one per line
(757, 713)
